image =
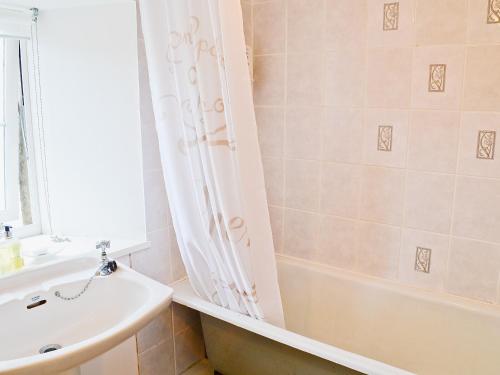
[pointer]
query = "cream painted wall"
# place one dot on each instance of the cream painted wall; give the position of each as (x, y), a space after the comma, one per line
(90, 100)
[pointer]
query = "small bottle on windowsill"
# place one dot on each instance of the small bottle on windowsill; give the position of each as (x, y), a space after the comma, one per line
(10, 252)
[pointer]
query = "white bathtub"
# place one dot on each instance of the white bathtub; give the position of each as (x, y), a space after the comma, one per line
(371, 325)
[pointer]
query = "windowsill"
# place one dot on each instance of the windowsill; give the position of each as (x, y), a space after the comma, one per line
(76, 248)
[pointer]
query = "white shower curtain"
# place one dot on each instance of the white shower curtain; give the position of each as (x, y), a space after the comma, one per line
(206, 128)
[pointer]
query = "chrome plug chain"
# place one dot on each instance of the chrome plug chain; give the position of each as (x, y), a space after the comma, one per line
(79, 294)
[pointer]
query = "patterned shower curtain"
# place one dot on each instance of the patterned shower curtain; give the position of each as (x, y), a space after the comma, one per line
(200, 85)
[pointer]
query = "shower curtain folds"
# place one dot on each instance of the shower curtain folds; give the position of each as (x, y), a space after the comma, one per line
(201, 91)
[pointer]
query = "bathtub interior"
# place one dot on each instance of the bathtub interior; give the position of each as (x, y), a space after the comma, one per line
(226, 339)
(418, 331)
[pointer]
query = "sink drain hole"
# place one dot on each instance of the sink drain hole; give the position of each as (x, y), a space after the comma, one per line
(49, 348)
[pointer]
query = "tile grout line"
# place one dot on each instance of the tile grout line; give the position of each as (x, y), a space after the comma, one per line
(284, 132)
(446, 276)
(173, 337)
(393, 168)
(317, 232)
(384, 46)
(360, 163)
(341, 108)
(408, 135)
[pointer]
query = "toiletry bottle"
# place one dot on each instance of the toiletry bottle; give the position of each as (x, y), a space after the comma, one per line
(4, 254)
(17, 259)
(10, 252)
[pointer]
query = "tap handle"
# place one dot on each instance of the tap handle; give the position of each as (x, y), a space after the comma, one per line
(103, 245)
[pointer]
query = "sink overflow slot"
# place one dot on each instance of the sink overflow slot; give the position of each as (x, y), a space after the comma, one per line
(36, 304)
(49, 348)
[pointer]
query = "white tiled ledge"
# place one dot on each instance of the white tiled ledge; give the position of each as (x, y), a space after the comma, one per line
(77, 247)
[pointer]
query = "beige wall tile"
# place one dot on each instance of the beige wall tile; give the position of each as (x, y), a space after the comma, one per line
(478, 29)
(159, 330)
(468, 162)
(343, 135)
(270, 126)
(306, 25)
(301, 234)
(373, 154)
(382, 193)
(156, 202)
(441, 21)
(433, 141)
(403, 36)
(124, 259)
(146, 103)
(389, 77)
(303, 132)
(155, 261)
(305, 79)
(177, 265)
(273, 178)
(345, 24)
(379, 250)
(276, 216)
(150, 149)
(269, 29)
(158, 360)
(429, 201)
(246, 9)
(302, 184)
(189, 348)
(269, 80)
(338, 242)
(341, 63)
(345, 77)
(340, 186)
(184, 318)
(482, 79)
(473, 269)
(439, 246)
(451, 56)
(477, 208)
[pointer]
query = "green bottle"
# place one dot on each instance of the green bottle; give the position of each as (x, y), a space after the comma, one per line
(10, 252)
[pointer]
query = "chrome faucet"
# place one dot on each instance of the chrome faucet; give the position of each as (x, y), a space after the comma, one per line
(108, 266)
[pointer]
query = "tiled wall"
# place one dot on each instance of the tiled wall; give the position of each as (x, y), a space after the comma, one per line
(173, 341)
(378, 122)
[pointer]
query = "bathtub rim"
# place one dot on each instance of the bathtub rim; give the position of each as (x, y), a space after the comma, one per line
(185, 295)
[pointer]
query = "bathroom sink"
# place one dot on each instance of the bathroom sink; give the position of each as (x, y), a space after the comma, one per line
(33, 319)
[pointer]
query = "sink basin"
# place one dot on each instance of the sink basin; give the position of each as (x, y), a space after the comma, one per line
(111, 310)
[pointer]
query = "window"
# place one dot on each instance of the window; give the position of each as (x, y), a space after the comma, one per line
(9, 189)
(16, 188)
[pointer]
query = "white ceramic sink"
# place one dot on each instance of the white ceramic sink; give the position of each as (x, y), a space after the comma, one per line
(112, 309)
